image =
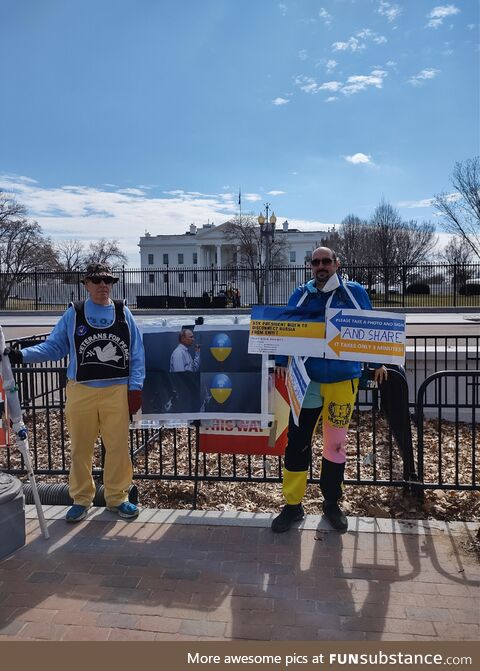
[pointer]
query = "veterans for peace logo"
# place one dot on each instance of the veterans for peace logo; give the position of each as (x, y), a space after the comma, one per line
(221, 346)
(81, 330)
(106, 349)
(221, 387)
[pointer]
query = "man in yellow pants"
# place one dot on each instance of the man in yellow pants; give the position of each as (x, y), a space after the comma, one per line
(330, 395)
(105, 374)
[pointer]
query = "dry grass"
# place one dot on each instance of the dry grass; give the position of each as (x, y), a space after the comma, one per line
(366, 500)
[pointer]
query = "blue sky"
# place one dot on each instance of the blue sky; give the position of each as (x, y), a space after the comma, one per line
(120, 116)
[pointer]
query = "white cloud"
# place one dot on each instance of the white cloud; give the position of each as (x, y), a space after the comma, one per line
(351, 45)
(89, 213)
(132, 192)
(323, 14)
(252, 197)
(389, 10)
(331, 99)
(330, 86)
(275, 193)
(283, 8)
(438, 14)
(357, 83)
(354, 83)
(303, 55)
(354, 44)
(427, 202)
(423, 75)
(331, 64)
(368, 34)
(280, 101)
(359, 158)
(306, 84)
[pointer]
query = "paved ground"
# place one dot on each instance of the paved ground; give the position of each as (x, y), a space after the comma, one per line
(178, 575)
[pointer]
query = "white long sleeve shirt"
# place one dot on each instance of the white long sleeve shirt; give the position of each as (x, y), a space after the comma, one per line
(181, 360)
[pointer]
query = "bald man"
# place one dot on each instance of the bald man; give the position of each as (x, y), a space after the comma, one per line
(330, 396)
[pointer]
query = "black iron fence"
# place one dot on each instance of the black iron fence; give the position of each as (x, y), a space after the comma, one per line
(447, 420)
(427, 285)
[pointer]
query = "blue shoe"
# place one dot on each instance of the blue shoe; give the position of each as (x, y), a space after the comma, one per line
(126, 509)
(76, 513)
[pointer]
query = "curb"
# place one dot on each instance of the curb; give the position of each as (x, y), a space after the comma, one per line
(233, 518)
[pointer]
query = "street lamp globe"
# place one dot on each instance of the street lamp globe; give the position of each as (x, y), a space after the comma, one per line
(273, 219)
(261, 219)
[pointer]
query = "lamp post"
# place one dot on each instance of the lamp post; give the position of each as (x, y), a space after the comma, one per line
(267, 233)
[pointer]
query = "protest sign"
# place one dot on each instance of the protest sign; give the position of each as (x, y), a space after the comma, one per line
(196, 372)
(297, 384)
(286, 330)
(225, 436)
(365, 335)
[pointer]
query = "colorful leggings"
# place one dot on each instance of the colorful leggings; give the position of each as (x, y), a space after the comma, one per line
(336, 411)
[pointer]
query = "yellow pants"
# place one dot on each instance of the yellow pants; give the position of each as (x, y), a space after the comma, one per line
(91, 411)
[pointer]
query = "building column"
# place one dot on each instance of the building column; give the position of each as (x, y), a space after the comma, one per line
(219, 256)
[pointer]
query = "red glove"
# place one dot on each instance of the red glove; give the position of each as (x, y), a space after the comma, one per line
(134, 400)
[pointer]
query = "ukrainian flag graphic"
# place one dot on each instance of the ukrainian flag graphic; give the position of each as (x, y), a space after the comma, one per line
(221, 346)
(221, 387)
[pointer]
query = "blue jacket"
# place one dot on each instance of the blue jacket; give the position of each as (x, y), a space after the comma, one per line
(61, 342)
(321, 369)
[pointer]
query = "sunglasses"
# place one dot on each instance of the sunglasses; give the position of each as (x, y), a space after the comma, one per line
(325, 262)
(105, 280)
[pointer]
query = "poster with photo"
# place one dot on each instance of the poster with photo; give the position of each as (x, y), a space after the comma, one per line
(202, 372)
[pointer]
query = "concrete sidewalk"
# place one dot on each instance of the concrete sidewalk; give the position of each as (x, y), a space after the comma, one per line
(179, 575)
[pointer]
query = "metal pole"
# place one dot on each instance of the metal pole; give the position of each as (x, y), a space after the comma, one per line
(267, 257)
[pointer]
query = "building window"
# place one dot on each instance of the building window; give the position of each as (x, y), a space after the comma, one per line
(165, 278)
(151, 278)
(180, 259)
(195, 258)
(308, 255)
(195, 280)
(180, 278)
(165, 259)
(150, 259)
(293, 257)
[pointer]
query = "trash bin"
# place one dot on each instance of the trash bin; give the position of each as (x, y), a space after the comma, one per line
(12, 515)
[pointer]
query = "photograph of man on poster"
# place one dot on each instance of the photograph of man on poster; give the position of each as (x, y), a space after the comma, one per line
(198, 371)
(182, 360)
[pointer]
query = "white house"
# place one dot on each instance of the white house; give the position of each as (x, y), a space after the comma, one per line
(207, 246)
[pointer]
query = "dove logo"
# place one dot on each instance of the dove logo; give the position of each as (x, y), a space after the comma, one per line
(100, 349)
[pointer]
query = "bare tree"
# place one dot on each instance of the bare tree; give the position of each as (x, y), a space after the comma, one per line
(458, 257)
(105, 251)
(460, 210)
(457, 251)
(352, 247)
(23, 247)
(245, 232)
(70, 254)
(397, 245)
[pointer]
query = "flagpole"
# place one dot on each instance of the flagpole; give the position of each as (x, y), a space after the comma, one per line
(240, 203)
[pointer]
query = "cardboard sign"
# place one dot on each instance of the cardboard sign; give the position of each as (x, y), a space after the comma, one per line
(296, 331)
(365, 335)
(222, 436)
(297, 385)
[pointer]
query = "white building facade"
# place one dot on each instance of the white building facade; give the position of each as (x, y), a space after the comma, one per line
(207, 246)
(204, 262)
